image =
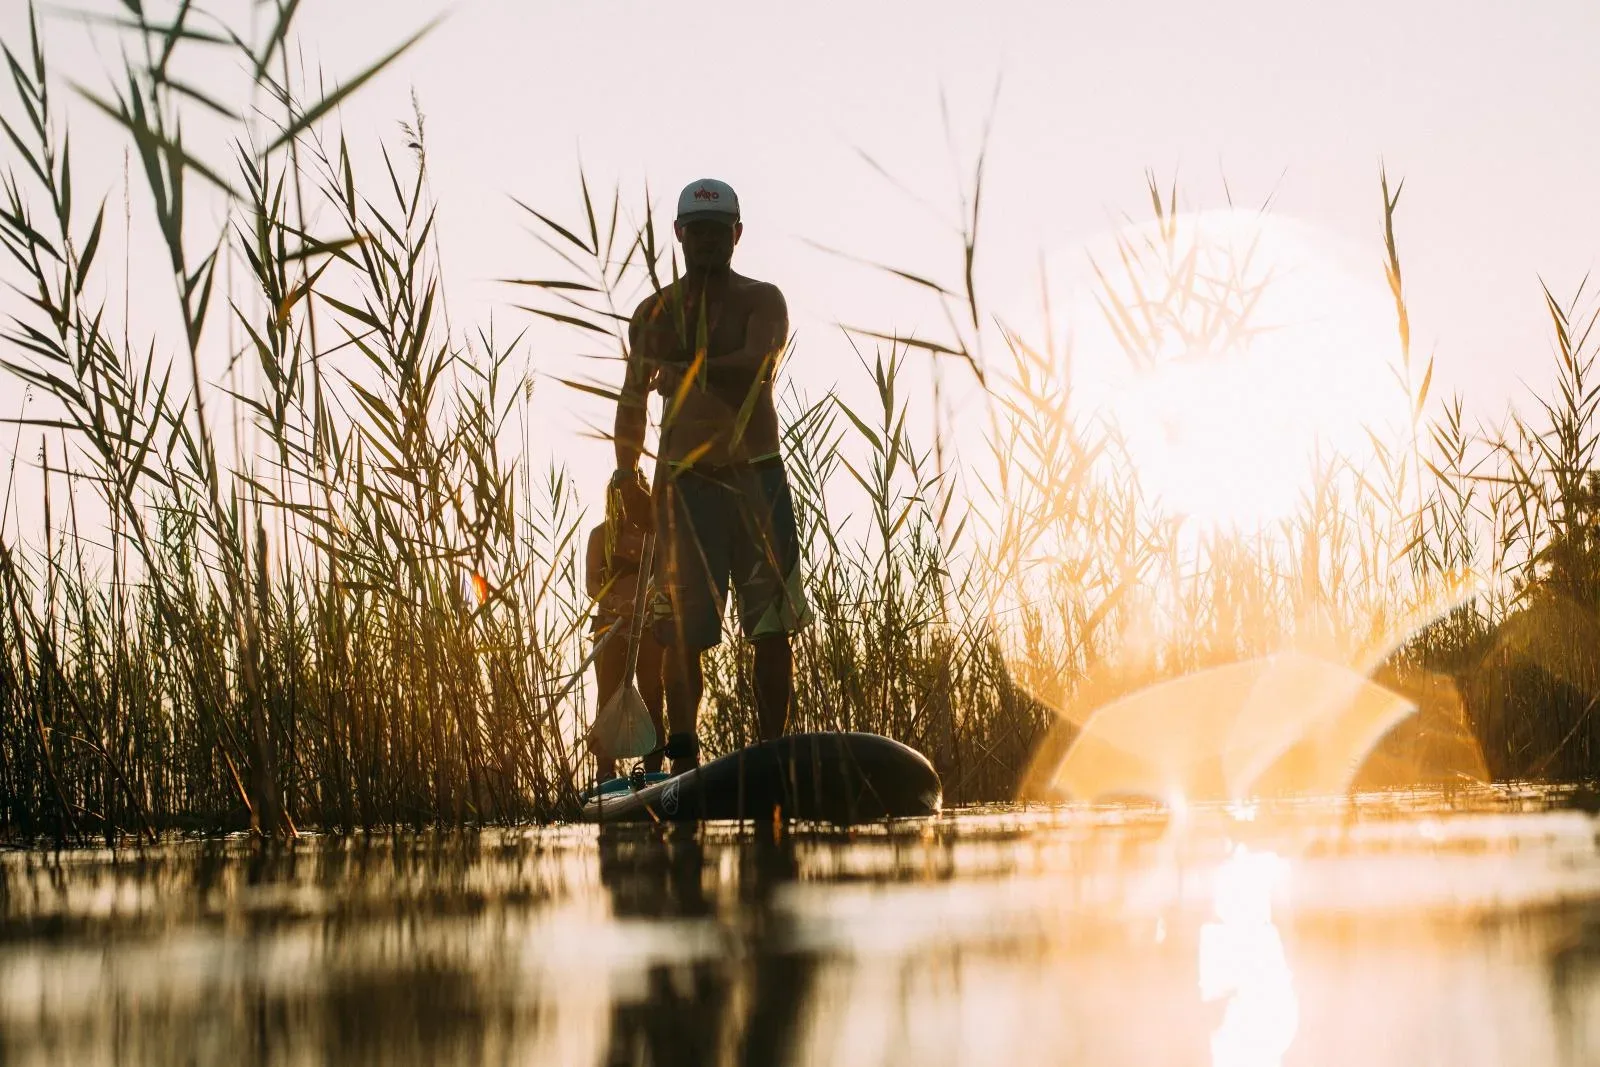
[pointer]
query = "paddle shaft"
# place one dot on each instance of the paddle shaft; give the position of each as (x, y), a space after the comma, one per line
(647, 562)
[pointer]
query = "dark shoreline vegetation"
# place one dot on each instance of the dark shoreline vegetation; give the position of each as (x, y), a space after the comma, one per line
(374, 616)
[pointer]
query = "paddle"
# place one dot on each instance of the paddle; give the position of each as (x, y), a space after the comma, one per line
(623, 727)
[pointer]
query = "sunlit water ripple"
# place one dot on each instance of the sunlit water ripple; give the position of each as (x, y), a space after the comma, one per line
(1394, 929)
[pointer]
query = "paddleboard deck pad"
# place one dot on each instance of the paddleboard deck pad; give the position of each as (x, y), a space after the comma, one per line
(831, 777)
(616, 788)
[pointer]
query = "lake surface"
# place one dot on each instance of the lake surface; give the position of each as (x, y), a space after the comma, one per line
(1395, 929)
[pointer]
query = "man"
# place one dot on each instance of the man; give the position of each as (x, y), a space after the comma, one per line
(710, 343)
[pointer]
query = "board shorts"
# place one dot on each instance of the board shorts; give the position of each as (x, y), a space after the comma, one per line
(602, 624)
(721, 526)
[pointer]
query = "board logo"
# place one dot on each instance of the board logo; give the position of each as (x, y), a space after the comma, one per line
(669, 798)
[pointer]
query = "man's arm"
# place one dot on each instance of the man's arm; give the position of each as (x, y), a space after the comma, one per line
(732, 375)
(632, 412)
(594, 570)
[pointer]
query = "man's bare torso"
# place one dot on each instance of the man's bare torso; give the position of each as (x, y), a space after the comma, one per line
(726, 413)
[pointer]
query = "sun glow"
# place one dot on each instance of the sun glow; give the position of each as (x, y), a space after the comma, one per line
(1235, 356)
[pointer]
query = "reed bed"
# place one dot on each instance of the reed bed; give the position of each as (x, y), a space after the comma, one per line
(340, 598)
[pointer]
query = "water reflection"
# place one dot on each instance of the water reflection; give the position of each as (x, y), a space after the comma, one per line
(1420, 929)
(1242, 961)
(737, 1006)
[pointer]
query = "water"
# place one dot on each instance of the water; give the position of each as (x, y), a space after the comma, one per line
(1398, 929)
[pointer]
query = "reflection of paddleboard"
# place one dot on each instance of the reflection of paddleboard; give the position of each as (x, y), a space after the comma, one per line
(834, 777)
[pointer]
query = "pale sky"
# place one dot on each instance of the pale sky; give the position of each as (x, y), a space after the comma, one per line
(1486, 109)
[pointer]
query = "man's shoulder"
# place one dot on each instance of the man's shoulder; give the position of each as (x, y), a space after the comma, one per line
(653, 304)
(756, 289)
(650, 306)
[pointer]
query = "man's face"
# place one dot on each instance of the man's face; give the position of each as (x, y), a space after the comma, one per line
(707, 243)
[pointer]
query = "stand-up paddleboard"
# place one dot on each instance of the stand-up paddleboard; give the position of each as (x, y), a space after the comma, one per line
(838, 777)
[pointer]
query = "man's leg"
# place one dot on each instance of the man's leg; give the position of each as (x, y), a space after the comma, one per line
(684, 685)
(649, 680)
(774, 685)
(692, 586)
(768, 581)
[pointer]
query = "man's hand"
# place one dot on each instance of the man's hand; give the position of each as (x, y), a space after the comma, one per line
(628, 501)
(669, 379)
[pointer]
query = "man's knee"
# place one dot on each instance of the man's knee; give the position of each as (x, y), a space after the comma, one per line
(768, 646)
(691, 631)
(680, 660)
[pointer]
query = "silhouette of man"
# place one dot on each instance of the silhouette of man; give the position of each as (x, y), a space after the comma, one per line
(710, 343)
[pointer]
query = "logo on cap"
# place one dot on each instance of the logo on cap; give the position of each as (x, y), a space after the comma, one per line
(708, 198)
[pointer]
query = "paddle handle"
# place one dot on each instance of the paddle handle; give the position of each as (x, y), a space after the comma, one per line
(647, 566)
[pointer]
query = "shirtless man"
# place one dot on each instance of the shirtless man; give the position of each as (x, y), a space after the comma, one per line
(710, 344)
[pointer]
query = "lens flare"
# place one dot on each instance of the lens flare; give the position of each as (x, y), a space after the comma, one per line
(1286, 723)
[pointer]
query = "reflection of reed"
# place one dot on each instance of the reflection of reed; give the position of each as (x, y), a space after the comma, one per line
(403, 949)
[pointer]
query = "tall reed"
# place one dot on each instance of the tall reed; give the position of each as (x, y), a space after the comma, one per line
(364, 608)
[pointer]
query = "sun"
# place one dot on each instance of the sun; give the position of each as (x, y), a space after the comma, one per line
(1233, 356)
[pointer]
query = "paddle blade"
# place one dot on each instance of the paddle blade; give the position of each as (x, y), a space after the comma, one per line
(623, 728)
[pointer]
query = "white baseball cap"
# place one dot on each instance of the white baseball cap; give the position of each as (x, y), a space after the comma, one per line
(708, 199)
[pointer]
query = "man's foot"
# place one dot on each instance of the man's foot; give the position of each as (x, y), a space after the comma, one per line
(684, 751)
